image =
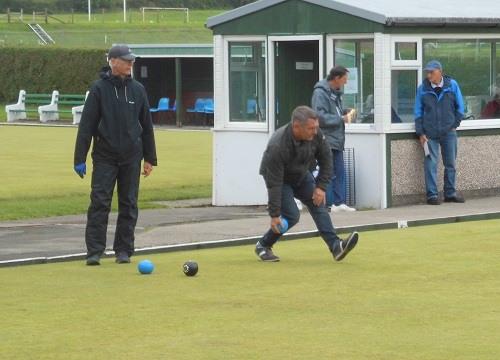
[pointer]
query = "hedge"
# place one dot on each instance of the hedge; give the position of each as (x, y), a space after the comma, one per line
(40, 70)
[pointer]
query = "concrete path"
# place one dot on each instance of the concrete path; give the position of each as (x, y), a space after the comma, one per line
(192, 224)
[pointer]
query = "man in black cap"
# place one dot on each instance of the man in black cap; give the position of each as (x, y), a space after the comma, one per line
(439, 109)
(117, 118)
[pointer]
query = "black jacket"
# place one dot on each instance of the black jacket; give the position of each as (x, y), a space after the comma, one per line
(287, 161)
(116, 116)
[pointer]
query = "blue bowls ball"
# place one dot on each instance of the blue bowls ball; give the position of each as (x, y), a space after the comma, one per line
(145, 267)
(285, 227)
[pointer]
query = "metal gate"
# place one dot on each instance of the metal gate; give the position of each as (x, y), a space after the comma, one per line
(350, 177)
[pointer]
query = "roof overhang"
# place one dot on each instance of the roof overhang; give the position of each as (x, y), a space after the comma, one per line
(442, 22)
(172, 50)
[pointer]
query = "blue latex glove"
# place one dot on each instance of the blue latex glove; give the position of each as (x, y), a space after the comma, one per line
(81, 169)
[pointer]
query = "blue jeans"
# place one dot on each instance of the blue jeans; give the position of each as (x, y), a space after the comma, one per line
(336, 194)
(448, 144)
(304, 192)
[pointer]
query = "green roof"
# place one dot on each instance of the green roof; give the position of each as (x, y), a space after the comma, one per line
(387, 12)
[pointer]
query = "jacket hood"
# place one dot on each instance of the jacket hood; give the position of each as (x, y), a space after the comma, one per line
(116, 80)
(323, 84)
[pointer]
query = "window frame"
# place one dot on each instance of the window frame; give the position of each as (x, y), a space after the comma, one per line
(228, 124)
(406, 39)
(412, 65)
(330, 40)
(471, 123)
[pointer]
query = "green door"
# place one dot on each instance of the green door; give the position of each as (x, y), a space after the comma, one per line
(296, 72)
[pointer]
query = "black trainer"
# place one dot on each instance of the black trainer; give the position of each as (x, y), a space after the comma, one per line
(455, 199)
(265, 253)
(434, 201)
(122, 258)
(93, 260)
(345, 246)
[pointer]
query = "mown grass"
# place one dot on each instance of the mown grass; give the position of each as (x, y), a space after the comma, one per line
(38, 179)
(417, 293)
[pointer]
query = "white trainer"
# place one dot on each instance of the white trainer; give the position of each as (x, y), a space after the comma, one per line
(342, 207)
(299, 204)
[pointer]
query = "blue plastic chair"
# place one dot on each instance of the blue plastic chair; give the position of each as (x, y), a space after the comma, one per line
(163, 106)
(172, 111)
(199, 108)
(209, 110)
(209, 106)
(251, 106)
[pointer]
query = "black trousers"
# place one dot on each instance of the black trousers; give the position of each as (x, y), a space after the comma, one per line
(104, 177)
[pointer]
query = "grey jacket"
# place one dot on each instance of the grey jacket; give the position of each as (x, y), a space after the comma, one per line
(287, 161)
(327, 103)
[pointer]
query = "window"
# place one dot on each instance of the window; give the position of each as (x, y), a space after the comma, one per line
(405, 51)
(473, 63)
(357, 56)
(404, 91)
(406, 61)
(247, 81)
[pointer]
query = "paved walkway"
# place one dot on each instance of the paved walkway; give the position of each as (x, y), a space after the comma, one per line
(193, 224)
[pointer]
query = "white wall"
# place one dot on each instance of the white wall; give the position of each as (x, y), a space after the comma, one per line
(369, 160)
(236, 179)
(237, 156)
(237, 148)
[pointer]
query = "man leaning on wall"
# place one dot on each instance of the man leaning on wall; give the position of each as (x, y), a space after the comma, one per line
(439, 109)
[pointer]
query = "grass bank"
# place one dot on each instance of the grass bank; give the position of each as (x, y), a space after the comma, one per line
(161, 27)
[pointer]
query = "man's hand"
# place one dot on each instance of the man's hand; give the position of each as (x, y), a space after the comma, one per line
(275, 221)
(423, 140)
(81, 169)
(147, 169)
(318, 197)
(349, 116)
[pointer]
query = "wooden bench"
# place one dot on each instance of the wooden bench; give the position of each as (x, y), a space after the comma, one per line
(51, 111)
(18, 110)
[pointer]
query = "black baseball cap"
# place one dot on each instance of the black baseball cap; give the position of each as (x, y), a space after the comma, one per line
(122, 52)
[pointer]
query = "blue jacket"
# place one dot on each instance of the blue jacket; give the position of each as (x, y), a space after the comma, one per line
(436, 116)
(327, 103)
